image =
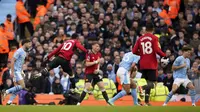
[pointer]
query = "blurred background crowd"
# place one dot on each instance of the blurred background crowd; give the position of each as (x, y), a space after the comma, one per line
(114, 24)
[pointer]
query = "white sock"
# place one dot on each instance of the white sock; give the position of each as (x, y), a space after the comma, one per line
(7, 92)
(9, 102)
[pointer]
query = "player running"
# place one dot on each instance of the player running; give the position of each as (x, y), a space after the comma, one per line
(127, 64)
(16, 71)
(147, 46)
(92, 73)
(63, 56)
(180, 68)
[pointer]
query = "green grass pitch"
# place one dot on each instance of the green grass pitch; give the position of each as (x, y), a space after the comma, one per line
(97, 109)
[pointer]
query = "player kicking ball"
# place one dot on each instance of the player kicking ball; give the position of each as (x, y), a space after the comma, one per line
(180, 67)
(16, 71)
(92, 73)
(63, 56)
(127, 64)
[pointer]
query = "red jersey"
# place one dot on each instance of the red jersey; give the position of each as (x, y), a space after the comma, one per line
(147, 47)
(91, 58)
(66, 50)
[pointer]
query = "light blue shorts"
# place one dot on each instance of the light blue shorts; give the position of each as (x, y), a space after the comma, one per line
(17, 76)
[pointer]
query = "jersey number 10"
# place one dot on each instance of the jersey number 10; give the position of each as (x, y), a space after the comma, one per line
(147, 47)
(67, 46)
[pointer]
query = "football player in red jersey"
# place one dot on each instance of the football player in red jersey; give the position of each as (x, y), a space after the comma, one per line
(63, 55)
(147, 47)
(92, 72)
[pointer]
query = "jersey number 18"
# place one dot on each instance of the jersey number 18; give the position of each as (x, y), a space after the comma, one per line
(147, 47)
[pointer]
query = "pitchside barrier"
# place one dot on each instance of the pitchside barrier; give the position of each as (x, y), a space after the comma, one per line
(44, 99)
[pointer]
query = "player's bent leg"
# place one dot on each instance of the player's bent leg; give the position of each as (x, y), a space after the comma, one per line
(85, 91)
(171, 93)
(65, 64)
(192, 92)
(19, 86)
(148, 88)
(73, 82)
(123, 92)
(104, 93)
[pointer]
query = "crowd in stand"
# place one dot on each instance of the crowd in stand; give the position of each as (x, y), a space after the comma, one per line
(114, 24)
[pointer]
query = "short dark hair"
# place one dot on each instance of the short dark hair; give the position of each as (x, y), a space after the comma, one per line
(149, 26)
(74, 36)
(25, 41)
(9, 16)
(94, 43)
(186, 48)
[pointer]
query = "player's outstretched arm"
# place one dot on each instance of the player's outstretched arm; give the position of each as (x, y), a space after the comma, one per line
(55, 51)
(157, 49)
(78, 45)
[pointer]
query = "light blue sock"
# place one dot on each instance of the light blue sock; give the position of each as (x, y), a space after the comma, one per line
(14, 89)
(169, 96)
(134, 96)
(119, 95)
(12, 97)
(192, 94)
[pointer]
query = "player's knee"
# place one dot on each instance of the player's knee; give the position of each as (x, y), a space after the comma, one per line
(174, 91)
(101, 87)
(22, 85)
(87, 87)
(150, 85)
(133, 85)
(127, 91)
(191, 87)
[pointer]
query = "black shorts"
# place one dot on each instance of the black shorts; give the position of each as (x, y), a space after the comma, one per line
(93, 78)
(65, 64)
(149, 74)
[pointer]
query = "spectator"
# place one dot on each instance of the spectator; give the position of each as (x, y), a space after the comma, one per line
(4, 45)
(65, 82)
(116, 63)
(168, 81)
(110, 73)
(6, 73)
(9, 26)
(161, 75)
(195, 42)
(57, 88)
(48, 83)
(23, 19)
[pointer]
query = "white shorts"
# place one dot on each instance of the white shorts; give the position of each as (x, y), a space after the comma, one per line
(123, 75)
(179, 81)
(17, 76)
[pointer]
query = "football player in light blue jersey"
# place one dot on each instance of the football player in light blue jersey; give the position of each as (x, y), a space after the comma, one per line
(180, 68)
(126, 72)
(16, 71)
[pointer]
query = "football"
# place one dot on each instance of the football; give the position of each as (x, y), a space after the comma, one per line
(164, 62)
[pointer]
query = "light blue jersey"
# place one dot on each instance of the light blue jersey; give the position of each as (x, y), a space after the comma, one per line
(128, 59)
(181, 73)
(20, 56)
